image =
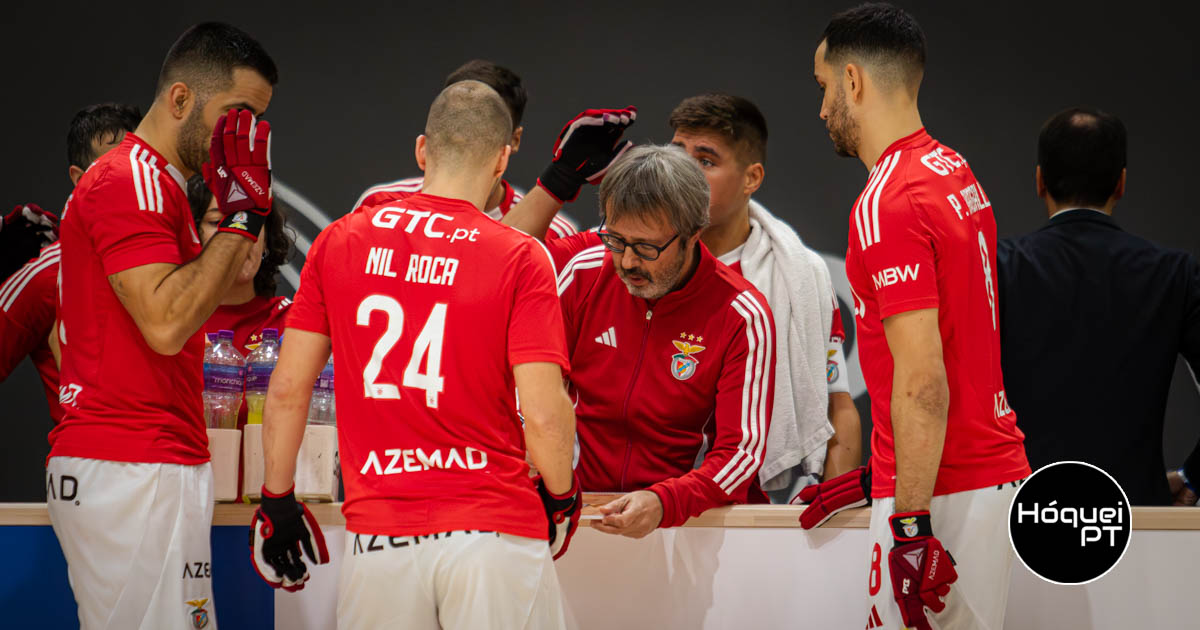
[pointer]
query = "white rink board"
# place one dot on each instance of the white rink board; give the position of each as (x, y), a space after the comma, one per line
(715, 578)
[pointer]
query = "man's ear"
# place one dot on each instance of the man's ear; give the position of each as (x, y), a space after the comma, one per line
(419, 152)
(852, 78)
(1040, 184)
(515, 143)
(180, 99)
(1119, 191)
(752, 179)
(502, 161)
(74, 172)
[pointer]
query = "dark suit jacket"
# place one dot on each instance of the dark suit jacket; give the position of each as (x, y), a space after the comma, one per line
(1092, 320)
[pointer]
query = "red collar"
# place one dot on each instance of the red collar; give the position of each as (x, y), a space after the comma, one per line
(913, 139)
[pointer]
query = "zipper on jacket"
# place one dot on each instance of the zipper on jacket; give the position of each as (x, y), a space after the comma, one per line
(637, 367)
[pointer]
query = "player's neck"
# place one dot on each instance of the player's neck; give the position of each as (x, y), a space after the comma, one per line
(239, 293)
(889, 124)
(162, 138)
(473, 190)
(729, 235)
(497, 196)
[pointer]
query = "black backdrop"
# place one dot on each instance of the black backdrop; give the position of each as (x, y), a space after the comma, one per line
(356, 82)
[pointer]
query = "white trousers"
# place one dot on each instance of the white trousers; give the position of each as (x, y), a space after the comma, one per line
(455, 580)
(136, 540)
(973, 527)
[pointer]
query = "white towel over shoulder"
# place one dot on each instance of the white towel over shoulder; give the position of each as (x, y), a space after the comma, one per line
(796, 283)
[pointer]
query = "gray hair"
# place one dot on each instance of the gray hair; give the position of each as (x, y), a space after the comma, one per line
(656, 183)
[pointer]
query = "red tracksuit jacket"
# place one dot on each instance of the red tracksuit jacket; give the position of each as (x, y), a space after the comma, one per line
(659, 385)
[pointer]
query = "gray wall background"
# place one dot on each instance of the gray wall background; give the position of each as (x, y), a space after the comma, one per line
(356, 81)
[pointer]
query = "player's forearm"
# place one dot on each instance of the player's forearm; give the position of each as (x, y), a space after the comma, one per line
(550, 441)
(284, 417)
(533, 214)
(920, 401)
(191, 293)
(844, 450)
(170, 303)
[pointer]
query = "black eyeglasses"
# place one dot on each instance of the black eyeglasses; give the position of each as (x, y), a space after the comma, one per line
(645, 251)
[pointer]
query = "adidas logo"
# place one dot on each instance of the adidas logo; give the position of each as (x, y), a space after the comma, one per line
(608, 337)
(235, 193)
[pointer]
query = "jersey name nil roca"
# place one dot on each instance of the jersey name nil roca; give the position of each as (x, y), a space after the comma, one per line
(429, 305)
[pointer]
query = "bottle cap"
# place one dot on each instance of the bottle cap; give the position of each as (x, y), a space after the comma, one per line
(226, 335)
(270, 333)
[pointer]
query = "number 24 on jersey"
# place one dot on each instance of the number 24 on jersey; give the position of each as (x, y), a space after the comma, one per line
(427, 344)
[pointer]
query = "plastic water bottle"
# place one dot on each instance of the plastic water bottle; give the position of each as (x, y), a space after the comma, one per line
(224, 376)
(322, 410)
(259, 366)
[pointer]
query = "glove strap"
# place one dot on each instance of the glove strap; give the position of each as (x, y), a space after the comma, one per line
(1186, 480)
(247, 224)
(566, 496)
(910, 527)
(562, 183)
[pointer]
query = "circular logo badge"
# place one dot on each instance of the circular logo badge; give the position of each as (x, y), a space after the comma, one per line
(1069, 523)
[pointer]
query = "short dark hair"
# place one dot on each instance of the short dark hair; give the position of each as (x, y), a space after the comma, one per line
(205, 56)
(734, 117)
(1082, 153)
(506, 83)
(104, 121)
(278, 248)
(883, 36)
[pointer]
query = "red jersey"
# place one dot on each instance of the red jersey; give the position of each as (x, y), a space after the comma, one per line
(247, 322)
(560, 225)
(429, 305)
(922, 235)
(26, 317)
(122, 401)
(657, 384)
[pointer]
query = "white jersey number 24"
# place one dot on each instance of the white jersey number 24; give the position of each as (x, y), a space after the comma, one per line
(428, 343)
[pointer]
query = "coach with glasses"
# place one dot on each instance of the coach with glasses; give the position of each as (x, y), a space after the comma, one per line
(1092, 319)
(672, 354)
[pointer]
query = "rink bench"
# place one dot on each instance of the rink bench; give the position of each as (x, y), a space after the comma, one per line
(736, 566)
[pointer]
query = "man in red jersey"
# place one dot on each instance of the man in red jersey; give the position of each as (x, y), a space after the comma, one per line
(437, 315)
(132, 487)
(689, 343)
(946, 455)
(504, 196)
(27, 297)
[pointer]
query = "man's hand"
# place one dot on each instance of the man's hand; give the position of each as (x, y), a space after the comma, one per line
(562, 514)
(585, 148)
(1181, 490)
(281, 526)
(239, 172)
(922, 571)
(23, 233)
(849, 490)
(634, 515)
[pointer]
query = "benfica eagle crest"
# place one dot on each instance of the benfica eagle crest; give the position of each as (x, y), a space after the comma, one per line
(683, 365)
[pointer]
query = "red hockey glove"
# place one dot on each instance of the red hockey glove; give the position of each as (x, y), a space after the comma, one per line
(585, 148)
(848, 490)
(922, 571)
(23, 233)
(239, 172)
(562, 514)
(280, 527)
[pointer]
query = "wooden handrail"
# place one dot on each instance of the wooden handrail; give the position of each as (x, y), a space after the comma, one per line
(786, 516)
